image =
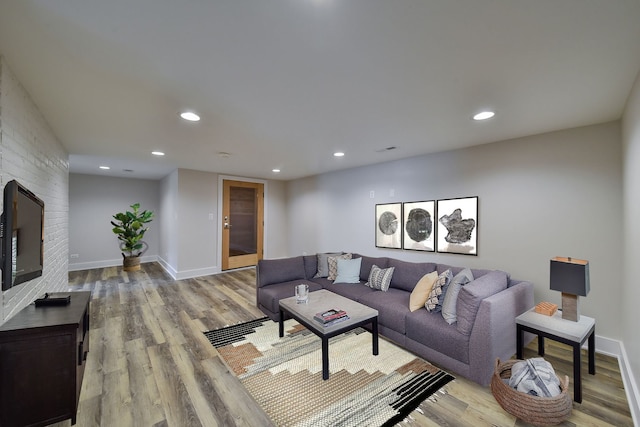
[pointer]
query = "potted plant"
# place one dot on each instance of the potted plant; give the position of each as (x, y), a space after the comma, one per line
(130, 229)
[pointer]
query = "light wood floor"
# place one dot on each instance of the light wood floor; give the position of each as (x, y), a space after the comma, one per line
(150, 365)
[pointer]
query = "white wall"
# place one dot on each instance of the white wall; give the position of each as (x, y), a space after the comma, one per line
(169, 222)
(189, 242)
(181, 236)
(630, 292)
(93, 200)
(30, 153)
(276, 229)
(197, 234)
(556, 194)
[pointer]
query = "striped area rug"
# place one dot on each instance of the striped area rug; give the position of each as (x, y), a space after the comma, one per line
(284, 375)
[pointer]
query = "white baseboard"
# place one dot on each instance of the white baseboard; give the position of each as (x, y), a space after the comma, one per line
(187, 274)
(106, 263)
(616, 349)
(176, 275)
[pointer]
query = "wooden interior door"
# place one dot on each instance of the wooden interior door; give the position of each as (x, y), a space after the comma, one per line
(242, 223)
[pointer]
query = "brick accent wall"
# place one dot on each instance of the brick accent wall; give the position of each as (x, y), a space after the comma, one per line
(31, 154)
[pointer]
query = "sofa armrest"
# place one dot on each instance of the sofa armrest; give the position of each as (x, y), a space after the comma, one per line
(494, 330)
(278, 270)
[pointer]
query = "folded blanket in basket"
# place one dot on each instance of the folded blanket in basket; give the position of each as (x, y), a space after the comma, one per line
(535, 377)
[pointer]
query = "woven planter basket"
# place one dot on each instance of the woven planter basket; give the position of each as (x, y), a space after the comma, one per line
(539, 411)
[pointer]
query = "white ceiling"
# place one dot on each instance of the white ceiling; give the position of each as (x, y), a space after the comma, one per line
(285, 83)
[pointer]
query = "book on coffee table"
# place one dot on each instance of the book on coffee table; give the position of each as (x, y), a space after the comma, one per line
(336, 320)
(330, 315)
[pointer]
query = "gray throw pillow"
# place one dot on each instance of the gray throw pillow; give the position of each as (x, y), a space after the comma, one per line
(449, 312)
(323, 263)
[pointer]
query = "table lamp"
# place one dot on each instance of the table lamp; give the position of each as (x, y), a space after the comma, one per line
(571, 277)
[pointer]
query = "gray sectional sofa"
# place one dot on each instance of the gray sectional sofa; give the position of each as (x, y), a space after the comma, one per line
(469, 347)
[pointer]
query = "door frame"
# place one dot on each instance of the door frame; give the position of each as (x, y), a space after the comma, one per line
(221, 179)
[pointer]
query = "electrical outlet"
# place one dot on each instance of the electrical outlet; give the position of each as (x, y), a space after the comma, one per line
(372, 194)
(210, 217)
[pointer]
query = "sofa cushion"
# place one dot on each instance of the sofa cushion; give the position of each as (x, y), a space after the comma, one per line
(351, 291)
(392, 307)
(421, 291)
(348, 270)
(310, 265)
(333, 265)
(472, 294)
(431, 330)
(323, 263)
(407, 274)
(449, 310)
(368, 262)
(438, 289)
(280, 270)
(270, 296)
(479, 272)
(441, 268)
(380, 278)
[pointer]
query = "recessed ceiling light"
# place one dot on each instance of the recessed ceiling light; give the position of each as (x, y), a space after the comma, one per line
(105, 167)
(338, 154)
(157, 153)
(484, 115)
(190, 116)
(275, 170)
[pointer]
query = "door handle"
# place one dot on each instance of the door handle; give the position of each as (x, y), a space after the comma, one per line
(227, 225)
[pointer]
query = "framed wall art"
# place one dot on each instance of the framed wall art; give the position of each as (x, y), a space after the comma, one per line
(419, 226)
(389, 225)
(458, 226)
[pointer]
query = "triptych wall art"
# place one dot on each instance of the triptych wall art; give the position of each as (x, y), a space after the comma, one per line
(445, 226)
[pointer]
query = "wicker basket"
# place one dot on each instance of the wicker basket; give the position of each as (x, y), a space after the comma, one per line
(539, 411)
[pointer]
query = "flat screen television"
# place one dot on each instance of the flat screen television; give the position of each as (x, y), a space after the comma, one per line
(22, 235)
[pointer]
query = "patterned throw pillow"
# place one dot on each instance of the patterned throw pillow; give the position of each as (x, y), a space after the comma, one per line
(380, 278)
(323, 263)
(433, 303)
(333, 265)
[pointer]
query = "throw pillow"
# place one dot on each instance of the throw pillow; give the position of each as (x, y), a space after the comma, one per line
(323, 263)
(380, 278)
(348, 270)
(449, 312)
(472, 294)
(332, 261)
(421, 291)
(438, 288)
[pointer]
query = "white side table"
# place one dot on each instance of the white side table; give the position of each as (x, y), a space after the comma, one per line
(564, 331)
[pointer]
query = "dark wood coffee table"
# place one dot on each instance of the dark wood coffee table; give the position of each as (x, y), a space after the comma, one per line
(323, 300)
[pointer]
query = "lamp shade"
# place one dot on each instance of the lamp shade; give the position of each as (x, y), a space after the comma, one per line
(570, 275)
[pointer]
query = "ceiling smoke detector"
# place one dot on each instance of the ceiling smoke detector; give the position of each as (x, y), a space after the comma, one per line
(382, 150)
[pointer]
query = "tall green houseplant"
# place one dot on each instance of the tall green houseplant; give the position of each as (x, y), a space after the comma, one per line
(130, 229)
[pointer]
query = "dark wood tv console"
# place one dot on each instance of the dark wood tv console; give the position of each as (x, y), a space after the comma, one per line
(42, 358)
